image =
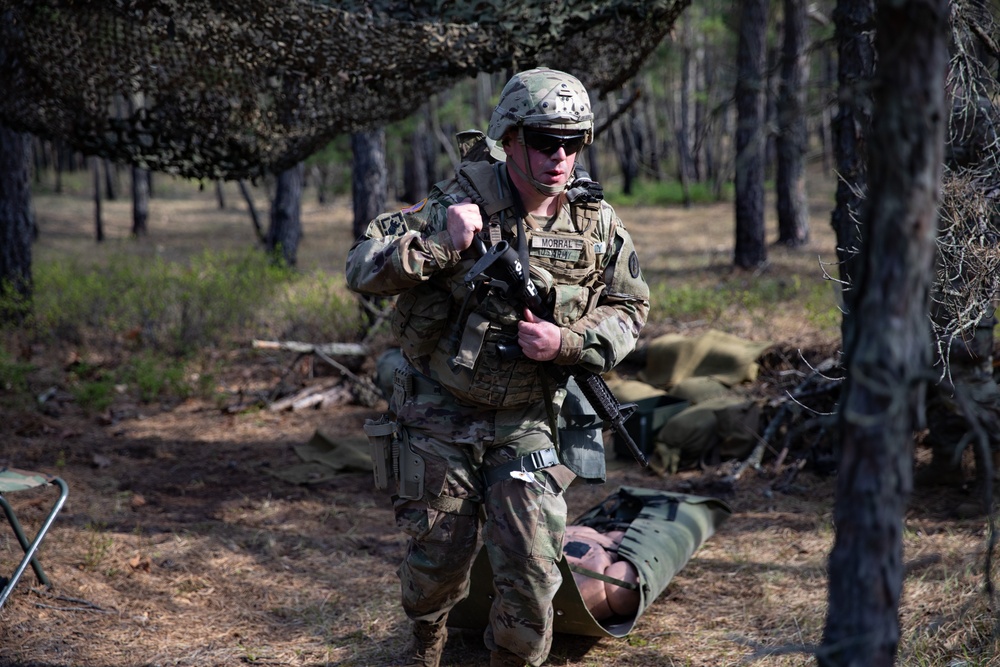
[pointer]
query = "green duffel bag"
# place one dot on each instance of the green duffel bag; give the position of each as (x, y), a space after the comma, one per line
(662, 532)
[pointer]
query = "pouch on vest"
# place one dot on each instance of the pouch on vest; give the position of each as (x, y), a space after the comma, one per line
(472, 341)
(419, 318)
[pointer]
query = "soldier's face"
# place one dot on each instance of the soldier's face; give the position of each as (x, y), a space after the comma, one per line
(547, 155)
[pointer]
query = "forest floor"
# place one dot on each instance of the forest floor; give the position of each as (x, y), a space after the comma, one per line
(179, 545)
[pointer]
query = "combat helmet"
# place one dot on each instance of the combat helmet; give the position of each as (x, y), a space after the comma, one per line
(542, 98)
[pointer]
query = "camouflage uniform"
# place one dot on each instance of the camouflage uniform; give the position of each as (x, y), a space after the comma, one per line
(463, 412)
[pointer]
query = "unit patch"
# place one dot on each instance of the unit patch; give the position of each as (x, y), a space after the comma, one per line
(391, 224)
(633, 264)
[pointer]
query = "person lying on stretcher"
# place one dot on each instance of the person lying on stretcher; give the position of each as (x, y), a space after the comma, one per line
(591, 552)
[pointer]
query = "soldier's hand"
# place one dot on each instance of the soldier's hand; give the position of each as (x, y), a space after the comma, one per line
(464, 221)
(539, 340)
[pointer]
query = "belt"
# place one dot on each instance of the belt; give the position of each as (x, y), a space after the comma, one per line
(414, 383)
(544, 458)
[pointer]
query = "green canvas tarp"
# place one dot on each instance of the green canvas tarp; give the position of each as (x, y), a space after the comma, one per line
(663, 530)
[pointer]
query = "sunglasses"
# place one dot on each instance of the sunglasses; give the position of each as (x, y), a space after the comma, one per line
(547, 143)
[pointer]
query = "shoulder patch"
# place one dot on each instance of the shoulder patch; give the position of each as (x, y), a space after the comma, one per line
(633, 264)
(416, 207)
(391, 224)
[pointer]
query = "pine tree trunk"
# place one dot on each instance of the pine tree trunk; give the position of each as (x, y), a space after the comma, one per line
(110, 189)
(140, 202)
(286, 216)
(254, 218)
(889, 358)
(416, 179)
(368, 177)
(95, 166)
(16, 222)
(369, 191)
(651, 128)
(790, 186)
(855, 26)
(685, 160)
(751, 250)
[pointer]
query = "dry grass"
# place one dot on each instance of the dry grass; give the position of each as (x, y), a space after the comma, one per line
(177, 548)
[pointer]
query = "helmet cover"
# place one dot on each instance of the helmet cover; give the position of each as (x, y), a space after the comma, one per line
(545, 98)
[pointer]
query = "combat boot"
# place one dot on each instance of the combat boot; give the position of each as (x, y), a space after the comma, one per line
(504, 658)
(428, 643)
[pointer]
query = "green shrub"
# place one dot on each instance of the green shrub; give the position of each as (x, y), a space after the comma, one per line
(13, 374)
(215, 299)
(758, 297)
(93, 387)
(315, 308)
(688, 301)
(155, 324)
(665, 193)
(155, 376)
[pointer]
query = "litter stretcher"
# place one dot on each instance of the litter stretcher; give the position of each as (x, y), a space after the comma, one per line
(662, 530)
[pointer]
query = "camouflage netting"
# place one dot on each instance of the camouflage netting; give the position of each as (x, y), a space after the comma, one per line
(226, 89)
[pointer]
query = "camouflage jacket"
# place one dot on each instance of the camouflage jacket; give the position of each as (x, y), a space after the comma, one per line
(585, 264)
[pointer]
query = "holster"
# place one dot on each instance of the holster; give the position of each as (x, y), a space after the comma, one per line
(384, 452)
(395, 466)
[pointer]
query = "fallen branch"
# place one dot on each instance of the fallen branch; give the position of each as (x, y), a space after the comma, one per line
(364, 389)
(336, 349)
(295, 401)
(803, 389)
(86, 604)
(334, 396)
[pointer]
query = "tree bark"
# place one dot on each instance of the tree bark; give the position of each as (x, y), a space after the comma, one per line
(285, 231)
(220, 194)
(254, 218)
(16, 223)
(369, 189)
(369, 178)
(140, 201)
(95, 166)
(790, 187)
(889, 360)
(706, 128)
(110, 186)
(624, 145)
(751, 250)
(685, 160)
(651, 126)
(854, 22)
(416, 176)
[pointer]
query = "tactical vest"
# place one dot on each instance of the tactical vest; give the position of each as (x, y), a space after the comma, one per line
(455, 334)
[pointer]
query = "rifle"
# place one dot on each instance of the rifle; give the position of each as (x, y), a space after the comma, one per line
(499, 267)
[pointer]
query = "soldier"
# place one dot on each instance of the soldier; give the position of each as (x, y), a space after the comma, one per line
(476, 405)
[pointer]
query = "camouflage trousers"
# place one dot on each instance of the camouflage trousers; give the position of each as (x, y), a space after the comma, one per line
(519, 521)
